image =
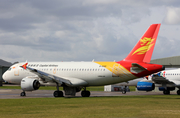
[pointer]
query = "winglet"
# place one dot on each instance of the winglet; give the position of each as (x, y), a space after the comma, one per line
(24, 66)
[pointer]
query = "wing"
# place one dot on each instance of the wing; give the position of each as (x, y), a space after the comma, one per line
(161, 80)
(46, 77)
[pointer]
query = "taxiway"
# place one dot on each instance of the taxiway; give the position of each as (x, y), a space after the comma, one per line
(15, 94)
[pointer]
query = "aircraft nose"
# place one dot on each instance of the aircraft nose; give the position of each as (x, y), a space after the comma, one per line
(4, 76)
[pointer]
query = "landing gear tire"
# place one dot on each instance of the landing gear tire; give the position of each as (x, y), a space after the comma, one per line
(23, 94)
(85, 93)
(78, 89)
(124, 92)
(58, 94)
(166, 92)
(178, 92)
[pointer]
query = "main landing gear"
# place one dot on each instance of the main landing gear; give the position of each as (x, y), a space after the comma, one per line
(178, 92)
(124, 90)
(166, 92)
(85, 93)
(58, 93)
(71, 91)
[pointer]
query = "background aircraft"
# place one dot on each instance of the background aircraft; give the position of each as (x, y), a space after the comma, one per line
(74, 76)
(166, 80)
(128, 83)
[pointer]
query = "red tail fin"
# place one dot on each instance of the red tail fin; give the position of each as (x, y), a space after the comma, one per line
(143, 50)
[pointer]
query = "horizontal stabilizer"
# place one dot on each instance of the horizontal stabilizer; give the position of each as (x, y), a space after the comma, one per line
(136, 68)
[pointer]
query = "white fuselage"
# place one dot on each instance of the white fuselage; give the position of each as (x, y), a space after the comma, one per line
(91, 72)
(170, 75)
(173, 76)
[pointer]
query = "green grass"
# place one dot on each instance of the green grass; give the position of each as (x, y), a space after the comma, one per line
(132, 88)
(151, 106)
(10, 87)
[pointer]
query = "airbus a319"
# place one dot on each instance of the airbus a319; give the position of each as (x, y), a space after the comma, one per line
(76, 76)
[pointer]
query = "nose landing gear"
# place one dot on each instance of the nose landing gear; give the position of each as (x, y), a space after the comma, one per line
(23, 94)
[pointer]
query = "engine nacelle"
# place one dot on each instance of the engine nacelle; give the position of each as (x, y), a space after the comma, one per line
(168, 88)
(29, 84)
(145, 86)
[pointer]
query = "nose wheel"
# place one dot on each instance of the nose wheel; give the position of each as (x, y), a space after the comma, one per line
(23, 94)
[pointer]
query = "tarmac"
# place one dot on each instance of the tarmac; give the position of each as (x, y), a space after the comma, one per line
(15, 94)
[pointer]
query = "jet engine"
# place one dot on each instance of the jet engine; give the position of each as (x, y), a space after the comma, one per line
(29, 84)
(145, 86)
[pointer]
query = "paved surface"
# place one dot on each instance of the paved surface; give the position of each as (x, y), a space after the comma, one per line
(15, 94)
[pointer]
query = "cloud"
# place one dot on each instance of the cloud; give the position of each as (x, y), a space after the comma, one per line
(172, 16)
(80, 30)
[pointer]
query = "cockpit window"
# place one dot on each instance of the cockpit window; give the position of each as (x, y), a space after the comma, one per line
(9, 69)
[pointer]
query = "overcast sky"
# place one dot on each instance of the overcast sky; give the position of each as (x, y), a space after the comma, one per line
(83, 30)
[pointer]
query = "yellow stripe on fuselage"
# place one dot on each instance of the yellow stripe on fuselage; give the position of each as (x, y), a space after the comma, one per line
(117, 70)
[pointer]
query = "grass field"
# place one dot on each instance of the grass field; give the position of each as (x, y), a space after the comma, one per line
(158, 106)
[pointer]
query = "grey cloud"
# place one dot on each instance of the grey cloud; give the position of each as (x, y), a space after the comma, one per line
(167, 46)
(73, 30)
(172, 16)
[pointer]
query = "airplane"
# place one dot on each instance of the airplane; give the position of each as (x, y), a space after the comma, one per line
(76, 76)
(166, 80)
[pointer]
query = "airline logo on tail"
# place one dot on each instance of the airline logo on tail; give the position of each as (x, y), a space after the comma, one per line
(146, 45)
(25, 65)
(143, 50)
